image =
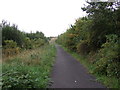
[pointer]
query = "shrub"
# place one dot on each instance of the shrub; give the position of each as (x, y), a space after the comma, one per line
(12, 33)
(10, 48)
(109, 57)
(17, 80)
(83, 47)
(28, 43)
(10, 44)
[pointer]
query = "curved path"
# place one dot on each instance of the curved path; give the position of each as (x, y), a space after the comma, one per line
(69, 73)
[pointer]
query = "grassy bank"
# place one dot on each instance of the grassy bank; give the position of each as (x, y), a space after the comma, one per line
(110, 82)
(30, 69)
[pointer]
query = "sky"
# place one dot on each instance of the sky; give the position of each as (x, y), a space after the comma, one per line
(52, 17)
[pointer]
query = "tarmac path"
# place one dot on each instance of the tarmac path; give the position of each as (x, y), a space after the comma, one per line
(69, 73)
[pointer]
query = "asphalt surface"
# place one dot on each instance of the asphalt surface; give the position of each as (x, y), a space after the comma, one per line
(69, 73)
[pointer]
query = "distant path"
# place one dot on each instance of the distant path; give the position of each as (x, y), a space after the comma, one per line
(69, 73)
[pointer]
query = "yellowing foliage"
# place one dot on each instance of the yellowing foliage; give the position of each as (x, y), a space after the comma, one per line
(10, 48)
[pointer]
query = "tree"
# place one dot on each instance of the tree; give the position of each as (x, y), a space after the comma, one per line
(103, 17)
(12, 33)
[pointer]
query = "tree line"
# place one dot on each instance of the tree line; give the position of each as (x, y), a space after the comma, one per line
(14, 40)
(97, 37)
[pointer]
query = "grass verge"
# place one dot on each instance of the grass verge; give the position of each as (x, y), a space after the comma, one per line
(110, 82)
(30, 69)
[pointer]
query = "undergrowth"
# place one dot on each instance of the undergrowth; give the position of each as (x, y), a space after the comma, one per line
(29, 70)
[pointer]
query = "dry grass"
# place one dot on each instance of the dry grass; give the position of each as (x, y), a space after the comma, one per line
(29, 69)
(27, 56)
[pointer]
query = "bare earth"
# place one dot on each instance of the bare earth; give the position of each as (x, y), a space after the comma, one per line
(69, 73)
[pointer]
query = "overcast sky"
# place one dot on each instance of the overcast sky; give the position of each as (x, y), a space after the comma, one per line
(52, 17)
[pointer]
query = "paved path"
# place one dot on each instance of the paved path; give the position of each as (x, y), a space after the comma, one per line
(69, 73)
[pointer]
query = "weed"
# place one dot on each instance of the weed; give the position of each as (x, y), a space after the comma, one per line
(30, 70)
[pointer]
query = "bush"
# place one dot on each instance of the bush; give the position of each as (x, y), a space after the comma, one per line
(12, 33)
(109, 57)
(18, 80)
(10, 44)
(28, 43)
(83, 47)
(113, 69)
(10, 48)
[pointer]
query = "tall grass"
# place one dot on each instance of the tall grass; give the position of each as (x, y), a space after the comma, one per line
(30, 69)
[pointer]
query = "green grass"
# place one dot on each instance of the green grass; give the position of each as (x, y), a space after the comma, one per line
(110, 82)
(30, 69)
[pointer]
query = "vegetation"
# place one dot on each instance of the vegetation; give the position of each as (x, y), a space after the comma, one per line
(96, 37)
(94, 40)
(30, 69)
(27, 58)
(13, 40)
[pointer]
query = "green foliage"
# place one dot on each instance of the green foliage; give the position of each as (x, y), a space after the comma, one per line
(109, 57)
(10, 48)
(103, 17)
(83, 48)
(10, 44)
(39, 42)
(34, 40)
(17, 73)
(68, 39)
(17, 79)
(82, 28)
(23, 40)
(76, 33)
(97, 36)
(12, 33)
(37, 35)
(28, 43)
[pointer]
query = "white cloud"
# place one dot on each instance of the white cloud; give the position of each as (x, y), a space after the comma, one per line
(52, 17)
